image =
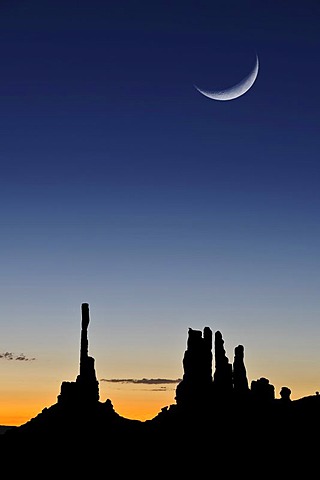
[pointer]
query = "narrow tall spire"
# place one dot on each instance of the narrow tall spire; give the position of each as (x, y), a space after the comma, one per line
(87, 376)
(86, 386)
(85, 319)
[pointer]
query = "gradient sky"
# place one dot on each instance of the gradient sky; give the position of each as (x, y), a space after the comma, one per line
(123, 187)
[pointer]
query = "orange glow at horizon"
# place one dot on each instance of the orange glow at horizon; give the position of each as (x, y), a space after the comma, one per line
(20, 402)
(17, 411)
(136, 402)
(129, 401)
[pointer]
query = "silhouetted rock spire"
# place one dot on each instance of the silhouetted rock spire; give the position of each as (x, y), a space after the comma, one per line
(86, 387)
(240, 381)
(84, 337)
(195, 387)
(222, 378)
(87, 377)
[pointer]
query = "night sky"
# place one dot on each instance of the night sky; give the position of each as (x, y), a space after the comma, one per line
(123, 187)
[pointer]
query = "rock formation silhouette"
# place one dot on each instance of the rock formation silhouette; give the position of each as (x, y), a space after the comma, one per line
(216, 416)
(86, 387)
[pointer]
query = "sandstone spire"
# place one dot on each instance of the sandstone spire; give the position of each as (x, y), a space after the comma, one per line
(195, 387)
(222, 378)
(240, 381)
(87, 377)
(86, 387)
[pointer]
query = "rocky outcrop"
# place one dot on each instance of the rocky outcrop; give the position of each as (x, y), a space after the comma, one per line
(262, 390)
(285, 393)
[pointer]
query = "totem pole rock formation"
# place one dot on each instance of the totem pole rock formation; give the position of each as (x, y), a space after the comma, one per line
(86, 387)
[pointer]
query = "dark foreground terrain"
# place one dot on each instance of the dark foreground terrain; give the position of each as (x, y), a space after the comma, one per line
(218, 427)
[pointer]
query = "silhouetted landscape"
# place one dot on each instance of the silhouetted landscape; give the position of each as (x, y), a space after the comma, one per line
(217, 421)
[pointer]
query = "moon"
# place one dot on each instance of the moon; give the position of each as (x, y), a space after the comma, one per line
(236, 90)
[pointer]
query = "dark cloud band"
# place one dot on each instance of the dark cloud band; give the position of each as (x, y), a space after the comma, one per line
(143, 381)
(12, 356)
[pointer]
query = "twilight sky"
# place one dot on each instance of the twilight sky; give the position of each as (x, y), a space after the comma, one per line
(123, 187)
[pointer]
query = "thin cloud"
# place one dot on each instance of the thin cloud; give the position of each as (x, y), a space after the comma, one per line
(12, 356)
(160, 389)
(143, 381)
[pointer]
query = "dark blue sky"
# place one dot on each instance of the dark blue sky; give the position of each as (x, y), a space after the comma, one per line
(122, 186)
(103, 93)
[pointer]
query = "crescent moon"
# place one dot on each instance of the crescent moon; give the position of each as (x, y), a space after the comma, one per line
(236, 90)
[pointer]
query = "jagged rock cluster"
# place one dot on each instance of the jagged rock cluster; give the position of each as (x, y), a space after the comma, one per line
(199, 387)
